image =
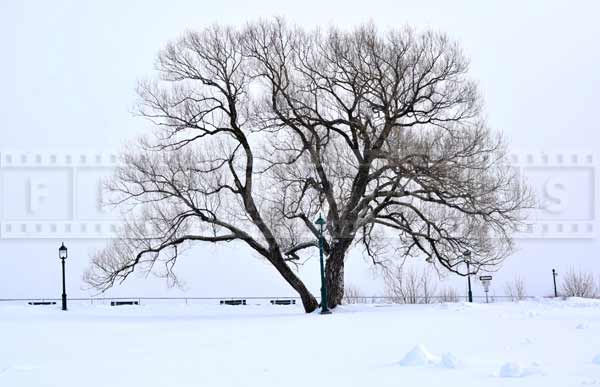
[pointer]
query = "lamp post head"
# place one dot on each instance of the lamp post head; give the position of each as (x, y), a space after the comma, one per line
(62, 251)
(320, 221)
(467, 255)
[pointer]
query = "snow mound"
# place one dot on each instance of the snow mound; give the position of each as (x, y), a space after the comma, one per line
(596, 359)
(450, 361)
(590, 382)
(515, 370)
(528, 340)
(511, 370)
(419, 356)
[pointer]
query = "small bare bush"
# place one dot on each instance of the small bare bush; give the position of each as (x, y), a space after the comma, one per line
(577, 283)
(408, 286)
(515, 289)
(448, 294)
(353, 295)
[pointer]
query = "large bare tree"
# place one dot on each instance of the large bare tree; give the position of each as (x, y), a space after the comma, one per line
(259, 129)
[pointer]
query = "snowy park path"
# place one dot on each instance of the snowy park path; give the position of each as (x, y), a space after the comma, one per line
(534, 343)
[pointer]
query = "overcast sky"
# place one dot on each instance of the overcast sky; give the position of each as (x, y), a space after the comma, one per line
(69, 69)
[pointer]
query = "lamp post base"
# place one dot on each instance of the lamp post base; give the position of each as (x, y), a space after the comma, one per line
(326, 311)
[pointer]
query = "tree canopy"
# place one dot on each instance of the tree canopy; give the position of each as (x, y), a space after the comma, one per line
(258, 129)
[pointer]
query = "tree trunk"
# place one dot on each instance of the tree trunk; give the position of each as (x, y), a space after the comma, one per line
(308, 300)
(334, 277)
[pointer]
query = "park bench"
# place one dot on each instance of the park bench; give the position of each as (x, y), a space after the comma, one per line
(283, 302)
(232, 302)
(119, 303)
(42, 302)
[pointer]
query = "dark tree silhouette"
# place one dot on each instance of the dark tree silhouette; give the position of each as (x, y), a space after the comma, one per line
(257, 130)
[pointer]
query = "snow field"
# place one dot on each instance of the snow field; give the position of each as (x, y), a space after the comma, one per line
(533, 343)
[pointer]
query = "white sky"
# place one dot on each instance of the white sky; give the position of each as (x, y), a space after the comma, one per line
(69, 69)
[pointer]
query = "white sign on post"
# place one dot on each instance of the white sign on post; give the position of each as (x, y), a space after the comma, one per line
(485, 281)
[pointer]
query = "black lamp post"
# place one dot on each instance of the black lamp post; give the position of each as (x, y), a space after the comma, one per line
(324, 308)
(62, 254)
(467, 255)
(554, 274)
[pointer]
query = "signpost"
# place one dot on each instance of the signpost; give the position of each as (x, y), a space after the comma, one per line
(485, 281)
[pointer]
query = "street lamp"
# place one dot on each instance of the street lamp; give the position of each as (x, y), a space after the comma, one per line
(554, 274)
(467, 255)
(62, 254)
(324, 308)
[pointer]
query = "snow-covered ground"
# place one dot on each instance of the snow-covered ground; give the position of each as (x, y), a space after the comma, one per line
(534, 343)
